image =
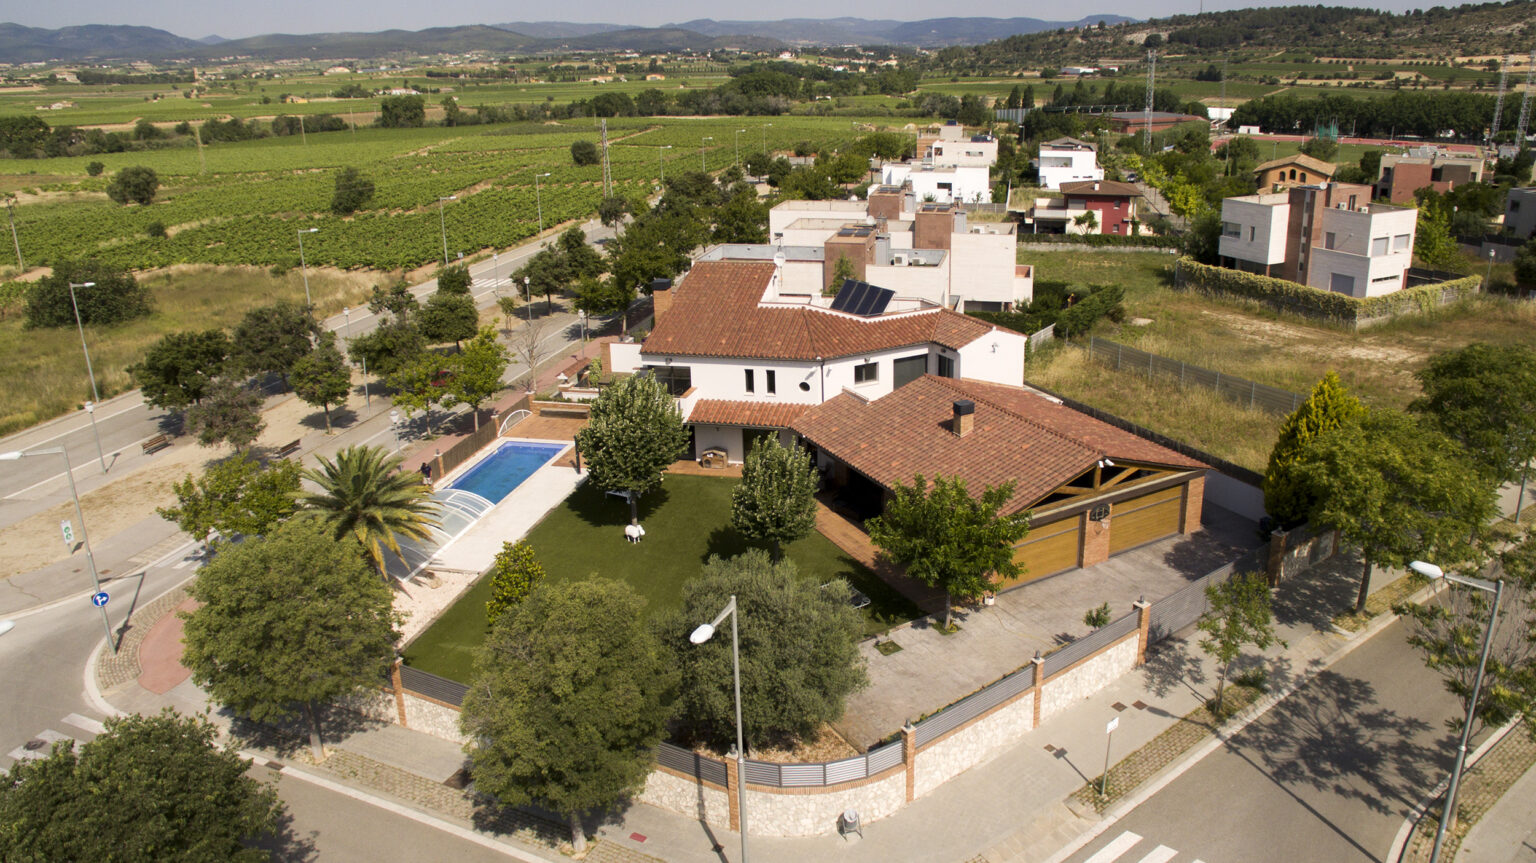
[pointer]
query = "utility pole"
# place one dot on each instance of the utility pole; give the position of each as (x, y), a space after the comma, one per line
(10, 206)
(1498, 104)
(607, 169)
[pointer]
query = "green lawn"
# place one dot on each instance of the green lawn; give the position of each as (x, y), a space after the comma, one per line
(685, 522)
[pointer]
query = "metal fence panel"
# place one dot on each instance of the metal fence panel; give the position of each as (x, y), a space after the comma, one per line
(802, 775)
(692, 763)
(1178, 610)
(432, 686)
(1089, 644)
(1125, 358)
(884, 758)
(763, 773)
(846, 770)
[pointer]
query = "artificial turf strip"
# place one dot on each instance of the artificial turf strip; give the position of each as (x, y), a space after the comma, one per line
(685, 522)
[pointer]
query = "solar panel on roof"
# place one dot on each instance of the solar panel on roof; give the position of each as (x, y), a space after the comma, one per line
(861, 298)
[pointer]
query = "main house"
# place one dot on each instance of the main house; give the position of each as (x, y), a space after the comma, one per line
(1328, 236)
(1068, 160)
(746, 355)
(1092, 490)
(1402, 174)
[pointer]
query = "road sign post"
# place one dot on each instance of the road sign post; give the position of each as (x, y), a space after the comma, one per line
(100, 599)
(69, 532)
(1109, 735)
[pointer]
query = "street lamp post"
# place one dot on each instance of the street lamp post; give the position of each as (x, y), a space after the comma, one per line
(538, 196)
(442, 223)
(394, 426)
(765, 138)
(528, 297)
(346, 313)
(662, 162)
(90, 406)
(705, 632)
(738, 147)
(703, 167)
(10, 206)
(1488, 279)
(85, 538)
(304, 265)
(1497, 589)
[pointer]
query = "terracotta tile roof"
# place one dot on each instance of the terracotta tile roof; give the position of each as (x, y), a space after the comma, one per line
(715, 312)
(1017, 435)
(755, 414)
(1301, 160)
(1109, 188)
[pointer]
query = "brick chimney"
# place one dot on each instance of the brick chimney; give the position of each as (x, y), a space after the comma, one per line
(661, 299)
(965, 417)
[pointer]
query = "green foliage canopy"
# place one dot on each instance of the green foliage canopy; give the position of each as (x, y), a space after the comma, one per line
(775, 502)
(1287, 498)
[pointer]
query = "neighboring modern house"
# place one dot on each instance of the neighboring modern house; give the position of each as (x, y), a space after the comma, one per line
(922, 251)
(1112, 204)
(1068, 160)
(1297, 170)
(1330, 237)
(968, 184)
(1520, 212)
(979, 151)
(1093, 490)
(1401, 174)
(745, 357)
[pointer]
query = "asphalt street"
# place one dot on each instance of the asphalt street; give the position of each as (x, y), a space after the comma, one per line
(1328, 774)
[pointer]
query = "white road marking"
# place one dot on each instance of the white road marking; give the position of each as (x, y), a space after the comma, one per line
(22, 753)
(1111, 852)
(1160, 854)
(85, 723)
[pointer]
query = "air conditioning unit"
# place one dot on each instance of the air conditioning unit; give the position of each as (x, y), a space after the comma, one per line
(898, 260)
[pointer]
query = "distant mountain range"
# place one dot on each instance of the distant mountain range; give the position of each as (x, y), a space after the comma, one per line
(20, 44)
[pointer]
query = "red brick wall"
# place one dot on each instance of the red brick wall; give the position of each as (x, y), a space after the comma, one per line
(1194, 500)
(1110, 218)
(1095, 540)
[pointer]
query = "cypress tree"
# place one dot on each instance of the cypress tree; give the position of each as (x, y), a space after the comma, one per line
(1286, 496)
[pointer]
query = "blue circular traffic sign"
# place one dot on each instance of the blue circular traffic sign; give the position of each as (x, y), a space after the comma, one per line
(100, 599)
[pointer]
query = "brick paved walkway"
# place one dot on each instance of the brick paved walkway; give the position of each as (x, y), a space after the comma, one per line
(852, 539)
(610, 852)
(116, 670)
(1481, 786)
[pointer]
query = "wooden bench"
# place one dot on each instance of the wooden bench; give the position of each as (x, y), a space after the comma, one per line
(156, 443)
(288, 449)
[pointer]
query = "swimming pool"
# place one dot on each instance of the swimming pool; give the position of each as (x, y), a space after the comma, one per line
(506, 468)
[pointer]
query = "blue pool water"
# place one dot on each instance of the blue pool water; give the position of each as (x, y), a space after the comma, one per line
(506, 468)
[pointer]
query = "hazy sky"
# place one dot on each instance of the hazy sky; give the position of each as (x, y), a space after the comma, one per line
(234, 20)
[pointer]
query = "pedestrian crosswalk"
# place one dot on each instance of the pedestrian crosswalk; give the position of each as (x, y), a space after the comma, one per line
(1129, 847)
(84, 728)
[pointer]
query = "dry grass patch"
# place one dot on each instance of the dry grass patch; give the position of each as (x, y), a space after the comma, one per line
(1194, 415)
(1381, 602)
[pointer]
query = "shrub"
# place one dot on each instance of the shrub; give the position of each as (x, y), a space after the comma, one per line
(353, 190)
(95, 169)
(114, 298)
(154, 230)
(136, 184)
(584, 153)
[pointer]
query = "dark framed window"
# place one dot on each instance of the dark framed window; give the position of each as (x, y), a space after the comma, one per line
(866, 373)
(770, 384)
(750, 385)
(946, 367)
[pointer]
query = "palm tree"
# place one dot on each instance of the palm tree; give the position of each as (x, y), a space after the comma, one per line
(364, 494)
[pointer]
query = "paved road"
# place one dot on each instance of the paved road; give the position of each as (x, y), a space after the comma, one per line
(1328, 774)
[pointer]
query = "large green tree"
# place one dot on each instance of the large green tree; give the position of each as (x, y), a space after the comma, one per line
(270, 339)
(114, 296)
(948, 538)
(571, 693)
(1286, 496)
(353, 191)
(229, 412)
(448, 317)
(514, 574)
(134, 185)
(454, 279)
(1397, 490)
(1239, 615)
(177, 370)
(236, 495)
(321, 378)
(633, 433)
(389, 348)
(290, 619)
(775, 502)
(146, 790)
(1484, 397)
(364, 494)
(799, 649)
(477, 370)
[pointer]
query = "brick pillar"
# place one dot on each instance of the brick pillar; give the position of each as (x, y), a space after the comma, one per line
(1143, 629)
(732, 799)
(1194, 501)
(399, 687)
(1275, 565)
(1039, 662)
(909, 756)
(1095, 539)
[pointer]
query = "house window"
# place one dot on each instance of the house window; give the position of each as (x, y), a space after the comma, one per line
(1303, 176)
(1379, 246)
(946, 366)
(750, 387)
(1400, 242)
(770, 386)
(1514, 206)
(1330, 240)
(866, 373)
(1341, 284)
(1253, 234)
(1293, 173)
(1231, 229)
(1115, 229)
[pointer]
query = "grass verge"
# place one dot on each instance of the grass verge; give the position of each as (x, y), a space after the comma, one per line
(1483, 785)
(685, 522)
(1131, 771)
(1381, 602)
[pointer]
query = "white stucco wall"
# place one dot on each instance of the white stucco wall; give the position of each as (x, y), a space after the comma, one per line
(1068, 166)
(1353, 254)
(1261, 221)
(972, 745)
(1003, 366)
(921, 282)
(788, 212)
(981, 264)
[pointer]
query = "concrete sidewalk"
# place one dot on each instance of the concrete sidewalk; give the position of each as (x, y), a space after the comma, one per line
(1012, 808)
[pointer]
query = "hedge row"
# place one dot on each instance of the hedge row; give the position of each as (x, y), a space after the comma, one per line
(1139, 241)
(1314, 303)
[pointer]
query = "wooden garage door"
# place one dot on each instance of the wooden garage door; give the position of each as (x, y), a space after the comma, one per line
(1143, 519)
(1048, 549)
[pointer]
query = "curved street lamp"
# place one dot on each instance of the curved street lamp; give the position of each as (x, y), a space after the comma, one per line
(703, 633)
